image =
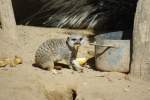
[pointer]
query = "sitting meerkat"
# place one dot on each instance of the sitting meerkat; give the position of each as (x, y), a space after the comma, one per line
(11, 61)
(55, 50)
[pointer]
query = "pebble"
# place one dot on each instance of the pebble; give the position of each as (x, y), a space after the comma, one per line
(126, 90)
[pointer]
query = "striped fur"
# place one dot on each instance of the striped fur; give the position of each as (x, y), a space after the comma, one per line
(51, 51)
(55, 50)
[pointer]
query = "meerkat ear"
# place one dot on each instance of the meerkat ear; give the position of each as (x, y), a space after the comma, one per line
(69, 33)
(68, 38)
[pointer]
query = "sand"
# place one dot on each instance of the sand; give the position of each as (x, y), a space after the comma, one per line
(26, 82)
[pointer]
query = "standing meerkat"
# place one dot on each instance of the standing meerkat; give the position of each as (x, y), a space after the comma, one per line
(55, 50)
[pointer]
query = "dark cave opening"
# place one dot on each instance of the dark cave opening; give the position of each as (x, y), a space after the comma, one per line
(99, 15)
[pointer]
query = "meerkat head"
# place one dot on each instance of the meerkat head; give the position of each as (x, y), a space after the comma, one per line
(75, 40)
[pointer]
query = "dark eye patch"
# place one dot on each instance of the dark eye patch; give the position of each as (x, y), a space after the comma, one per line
(73, 39)
(81, 39)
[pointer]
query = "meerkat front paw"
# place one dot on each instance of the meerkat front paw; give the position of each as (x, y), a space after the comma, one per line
(53, 71)
(77, 66)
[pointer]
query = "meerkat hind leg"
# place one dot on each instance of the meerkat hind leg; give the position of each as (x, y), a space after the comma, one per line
(70, 66)
(50, 67)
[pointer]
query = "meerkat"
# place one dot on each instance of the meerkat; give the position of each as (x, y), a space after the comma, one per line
(55, 50)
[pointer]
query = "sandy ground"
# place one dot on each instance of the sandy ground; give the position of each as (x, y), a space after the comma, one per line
(25, 82)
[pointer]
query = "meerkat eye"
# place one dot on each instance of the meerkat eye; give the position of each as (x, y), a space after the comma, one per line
(73, 39)
(81, 39)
